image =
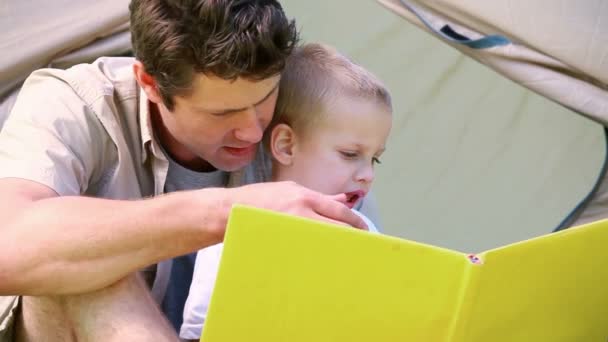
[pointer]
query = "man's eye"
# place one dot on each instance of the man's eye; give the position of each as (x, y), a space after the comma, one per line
(221, 114)
(376, 160)
(348, 155)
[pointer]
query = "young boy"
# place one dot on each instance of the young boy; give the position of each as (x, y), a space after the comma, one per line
(331, 124)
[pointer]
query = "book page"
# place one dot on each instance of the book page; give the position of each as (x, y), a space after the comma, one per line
(552, 288)
(285, 278)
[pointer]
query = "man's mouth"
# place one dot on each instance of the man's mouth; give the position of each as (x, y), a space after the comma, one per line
(240, 151)
(353, 197)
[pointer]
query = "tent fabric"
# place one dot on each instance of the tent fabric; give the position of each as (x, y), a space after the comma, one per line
(573, 32)
(560, 51)
(38, 34)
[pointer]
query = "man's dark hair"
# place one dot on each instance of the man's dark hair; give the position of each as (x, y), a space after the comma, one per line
(175, 39)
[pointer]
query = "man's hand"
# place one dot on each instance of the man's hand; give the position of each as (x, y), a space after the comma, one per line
(291, 198)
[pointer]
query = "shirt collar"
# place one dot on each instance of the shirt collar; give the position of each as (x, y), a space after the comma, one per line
(148, 143)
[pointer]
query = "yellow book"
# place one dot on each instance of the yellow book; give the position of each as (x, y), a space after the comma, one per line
(285, 278)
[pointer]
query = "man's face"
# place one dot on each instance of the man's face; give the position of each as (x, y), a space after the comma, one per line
(221, 122)
(339, 152)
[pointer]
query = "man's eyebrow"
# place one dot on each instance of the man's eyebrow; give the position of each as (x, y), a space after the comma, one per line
(232, 110)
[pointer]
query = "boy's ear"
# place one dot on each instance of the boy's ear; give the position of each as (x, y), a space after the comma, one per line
(282, 144)
(146, 82)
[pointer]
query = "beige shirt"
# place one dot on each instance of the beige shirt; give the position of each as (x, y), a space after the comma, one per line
(87, 131)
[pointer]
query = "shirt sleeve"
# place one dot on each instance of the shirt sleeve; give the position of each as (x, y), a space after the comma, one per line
(51, 137)
(201, 288)
(369, 208)
(370, 225)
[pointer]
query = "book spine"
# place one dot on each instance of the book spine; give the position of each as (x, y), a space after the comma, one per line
(461, 319)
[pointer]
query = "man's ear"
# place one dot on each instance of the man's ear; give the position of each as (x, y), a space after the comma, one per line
(282, 144)
(146, 82)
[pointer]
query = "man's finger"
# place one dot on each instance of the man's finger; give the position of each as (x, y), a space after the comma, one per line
(328, 207)
(328, 220)
(342, 198)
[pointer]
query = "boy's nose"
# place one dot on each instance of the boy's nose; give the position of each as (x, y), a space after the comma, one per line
(250, 129)
(365, 174)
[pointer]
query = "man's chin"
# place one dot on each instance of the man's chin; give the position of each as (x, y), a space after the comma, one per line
(231, 165)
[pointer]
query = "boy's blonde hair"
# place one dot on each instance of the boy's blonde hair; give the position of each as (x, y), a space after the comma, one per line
(314, 76)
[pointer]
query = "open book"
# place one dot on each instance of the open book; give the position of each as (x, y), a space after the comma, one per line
(285, 278)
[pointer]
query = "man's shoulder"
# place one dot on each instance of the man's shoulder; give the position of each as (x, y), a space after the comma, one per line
(86, 104)
(106, 76)
(98, 95)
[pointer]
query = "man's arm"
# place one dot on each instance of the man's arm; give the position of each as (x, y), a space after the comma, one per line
(60, 245)
(73, 244)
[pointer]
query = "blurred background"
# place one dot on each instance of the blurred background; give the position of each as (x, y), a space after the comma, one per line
(474, 161)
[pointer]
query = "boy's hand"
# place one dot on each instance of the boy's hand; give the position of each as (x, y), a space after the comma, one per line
(291, 198)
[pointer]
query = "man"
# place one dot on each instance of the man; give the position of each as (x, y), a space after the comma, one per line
(87, 152)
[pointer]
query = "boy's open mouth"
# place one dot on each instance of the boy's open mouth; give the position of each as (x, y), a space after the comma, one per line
(353, 197)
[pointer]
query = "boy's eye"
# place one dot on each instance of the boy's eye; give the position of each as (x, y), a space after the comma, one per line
(376, 160)
(348, 155)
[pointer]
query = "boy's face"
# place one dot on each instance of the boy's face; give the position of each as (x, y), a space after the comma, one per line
(338, 153)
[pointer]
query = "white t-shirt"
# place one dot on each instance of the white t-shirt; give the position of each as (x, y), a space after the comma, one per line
(203, 281)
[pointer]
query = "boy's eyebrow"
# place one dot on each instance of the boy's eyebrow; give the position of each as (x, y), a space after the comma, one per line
(359, 146)
(232, 110)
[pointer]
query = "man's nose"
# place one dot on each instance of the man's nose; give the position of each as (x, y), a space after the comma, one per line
(250, 129)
